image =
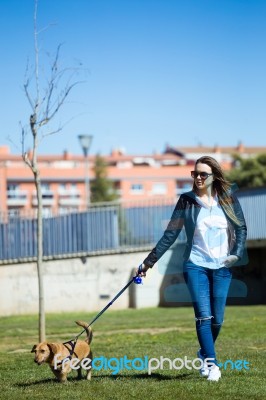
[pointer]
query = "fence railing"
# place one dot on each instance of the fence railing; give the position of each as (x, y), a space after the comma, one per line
(102, 229)
(107, 228)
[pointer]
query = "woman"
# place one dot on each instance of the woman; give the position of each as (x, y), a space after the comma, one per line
(216, 234)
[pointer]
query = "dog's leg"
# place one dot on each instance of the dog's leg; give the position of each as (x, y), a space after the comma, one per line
(88, 376)
(79, 373)
(63, 377)
(60, 375)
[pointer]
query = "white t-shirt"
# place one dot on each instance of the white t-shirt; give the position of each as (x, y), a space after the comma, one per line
(210, 242)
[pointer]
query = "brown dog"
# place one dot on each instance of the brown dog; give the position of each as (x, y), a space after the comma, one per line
(55, 354)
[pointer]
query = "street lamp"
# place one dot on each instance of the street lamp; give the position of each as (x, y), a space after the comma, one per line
(85, 142)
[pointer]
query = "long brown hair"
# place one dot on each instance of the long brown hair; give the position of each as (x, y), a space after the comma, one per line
(220, 184)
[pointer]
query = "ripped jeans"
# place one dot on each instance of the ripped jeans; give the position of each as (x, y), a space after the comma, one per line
(208, 289)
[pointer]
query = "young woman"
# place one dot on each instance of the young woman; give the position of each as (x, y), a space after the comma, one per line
(216, 234)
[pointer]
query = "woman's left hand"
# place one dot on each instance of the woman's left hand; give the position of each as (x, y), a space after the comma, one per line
(229, 261)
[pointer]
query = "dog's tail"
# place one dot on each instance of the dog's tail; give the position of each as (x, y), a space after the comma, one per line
(88, 330)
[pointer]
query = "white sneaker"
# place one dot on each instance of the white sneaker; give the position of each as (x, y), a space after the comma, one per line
(214, 373)
(204, 371)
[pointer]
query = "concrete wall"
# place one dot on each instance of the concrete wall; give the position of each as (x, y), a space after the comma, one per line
(248, 284)
(71, 285)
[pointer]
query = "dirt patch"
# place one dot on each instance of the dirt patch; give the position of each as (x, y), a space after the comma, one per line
(19, 351)
(151, 331)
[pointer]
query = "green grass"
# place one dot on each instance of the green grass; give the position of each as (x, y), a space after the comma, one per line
(167, 332)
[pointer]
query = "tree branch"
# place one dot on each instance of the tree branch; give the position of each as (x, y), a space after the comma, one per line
(57, 106)
(25, 156)
(52, 82)
(36, 57)
(26, 86)
(60, 128)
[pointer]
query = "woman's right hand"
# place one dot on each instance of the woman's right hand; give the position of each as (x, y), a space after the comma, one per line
(144, 269)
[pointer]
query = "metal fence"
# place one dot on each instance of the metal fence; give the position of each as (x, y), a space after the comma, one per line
(107, 228)
(253, 202)
(102, 229)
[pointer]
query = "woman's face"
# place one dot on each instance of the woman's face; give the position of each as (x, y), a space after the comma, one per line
(203, 176)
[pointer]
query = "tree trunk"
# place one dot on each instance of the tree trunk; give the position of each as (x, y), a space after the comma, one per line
(40, 258)
(37, 181)
(45, 106)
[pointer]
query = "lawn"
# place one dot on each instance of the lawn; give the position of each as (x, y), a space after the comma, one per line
(156, 332)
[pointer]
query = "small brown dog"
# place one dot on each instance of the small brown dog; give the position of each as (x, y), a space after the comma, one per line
(55, 354)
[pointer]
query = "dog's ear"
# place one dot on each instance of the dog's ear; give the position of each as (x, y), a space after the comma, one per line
(53, 347)
(34, 348)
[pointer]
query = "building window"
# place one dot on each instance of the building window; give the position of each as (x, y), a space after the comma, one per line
(183, 187)
(73, 188)
(45, 187)
(159, 188)
(187, 186)
(12, 187)
(136, 188)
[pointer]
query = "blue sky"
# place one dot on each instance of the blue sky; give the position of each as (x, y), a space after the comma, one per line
(157, 72)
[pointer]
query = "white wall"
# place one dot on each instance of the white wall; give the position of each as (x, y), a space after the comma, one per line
(71, 285)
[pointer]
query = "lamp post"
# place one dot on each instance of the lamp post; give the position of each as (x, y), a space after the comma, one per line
(85, 142)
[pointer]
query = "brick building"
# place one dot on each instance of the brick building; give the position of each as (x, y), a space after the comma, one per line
(136, 177)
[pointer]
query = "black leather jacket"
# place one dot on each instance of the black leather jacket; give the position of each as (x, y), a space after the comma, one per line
(185, 215)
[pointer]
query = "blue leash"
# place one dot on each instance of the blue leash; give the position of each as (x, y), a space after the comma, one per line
(136, 279)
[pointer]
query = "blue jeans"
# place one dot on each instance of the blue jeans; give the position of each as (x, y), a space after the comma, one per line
(208, 289)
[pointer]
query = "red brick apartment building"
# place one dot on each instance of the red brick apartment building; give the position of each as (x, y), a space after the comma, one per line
(136, 177)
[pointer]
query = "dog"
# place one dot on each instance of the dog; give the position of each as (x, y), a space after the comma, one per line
(56, 354)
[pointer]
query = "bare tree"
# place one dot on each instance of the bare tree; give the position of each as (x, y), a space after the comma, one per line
(46, 97)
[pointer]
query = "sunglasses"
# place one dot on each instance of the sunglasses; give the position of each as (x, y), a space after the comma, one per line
(203, 175)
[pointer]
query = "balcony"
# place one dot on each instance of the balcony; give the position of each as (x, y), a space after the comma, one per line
(69, 197)
(17, 198)
(47, 198)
